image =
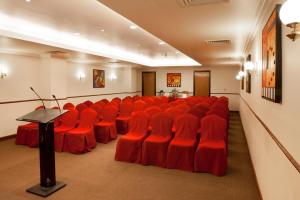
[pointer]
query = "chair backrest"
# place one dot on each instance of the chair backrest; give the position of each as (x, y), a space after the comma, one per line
(139, 105)
(109, 113)
(99, 109)
(199, 110)
(151, 111)
(220, 113)
(164, 106)
(139, 123)
(213, 127)
(183, 107)
(69, 119)
(117, 100)
(186, 127)
(164, 99)
(81, 107)
(68, 106)
(88, 103)
(136, 98)
(100, 103)
(174, 112)
(88, 118)
(161, 124)
(104, 101)
(126, 109)
(40, 108)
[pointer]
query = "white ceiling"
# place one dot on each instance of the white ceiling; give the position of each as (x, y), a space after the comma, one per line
(185, 29)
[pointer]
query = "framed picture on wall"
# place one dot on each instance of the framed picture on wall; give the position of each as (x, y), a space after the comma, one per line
(98, 78)
(272, 58)
(248, 82)
(243, 79)
(173, 79)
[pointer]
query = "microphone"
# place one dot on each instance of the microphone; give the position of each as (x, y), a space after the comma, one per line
(38, 97)
(56, 102)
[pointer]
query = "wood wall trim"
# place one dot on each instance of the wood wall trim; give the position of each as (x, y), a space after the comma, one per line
(275, 139)
(70, 97)
(7, 137)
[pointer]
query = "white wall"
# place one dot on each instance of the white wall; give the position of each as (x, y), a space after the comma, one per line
(53, 76)
(277, 177)
(222, 81)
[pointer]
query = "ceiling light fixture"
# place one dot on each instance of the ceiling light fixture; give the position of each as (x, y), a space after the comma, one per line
(76, 34)
(161, 43)
(133, 27)
(290, 16)
(238, 77)
(102, 30)
(28, 1)
(177, 52)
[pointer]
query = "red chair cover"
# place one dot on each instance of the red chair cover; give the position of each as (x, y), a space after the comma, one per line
(117, 100)
(211, 153)
(104, 101)
(68, 106)
(139, 106)
(184, 108)
(155, 147)
(129, 146)
(106, 130)
(164, 106)
(68, 122)
(99, 109)
(122, 122)
(182, 148)
(88, 103)
(24, 132)
(151, 111)
(81, 107)
(82, 139)
(136, 98)
(199, 110)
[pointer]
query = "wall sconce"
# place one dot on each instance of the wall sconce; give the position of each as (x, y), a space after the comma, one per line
(81, 75)
(290, 16)
(249, 64)
(113, 76)
(3, 73)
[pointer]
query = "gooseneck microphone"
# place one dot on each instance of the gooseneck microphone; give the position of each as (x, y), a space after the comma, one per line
(38, 97)
(56, 102)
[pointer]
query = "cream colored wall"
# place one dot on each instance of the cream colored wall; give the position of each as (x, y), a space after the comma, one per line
(222, 80)
(53, 76)
(277, 177)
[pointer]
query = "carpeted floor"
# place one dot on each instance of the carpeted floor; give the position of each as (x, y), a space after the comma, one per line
(96, 175)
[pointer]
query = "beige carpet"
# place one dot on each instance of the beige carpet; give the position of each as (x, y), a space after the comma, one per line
(96, 175)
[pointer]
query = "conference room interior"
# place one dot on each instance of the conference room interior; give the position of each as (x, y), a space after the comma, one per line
(151, 99)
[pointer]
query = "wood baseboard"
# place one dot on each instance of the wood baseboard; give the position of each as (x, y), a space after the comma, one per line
(7, 137)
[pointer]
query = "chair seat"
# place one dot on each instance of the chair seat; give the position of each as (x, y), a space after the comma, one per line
(214, 144)
(61, 129)
(79, 131)
(123, 118)
(105, 123)
(158, 139)
(183, 143)
(133, 136)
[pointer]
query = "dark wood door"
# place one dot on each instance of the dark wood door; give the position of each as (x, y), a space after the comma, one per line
(202, 83)
(149, 83)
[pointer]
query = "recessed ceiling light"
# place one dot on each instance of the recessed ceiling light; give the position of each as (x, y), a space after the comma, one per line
(76, 34)
(161, 43)
(102, 30)
(133, 27)
(177, 52)
(28, 0)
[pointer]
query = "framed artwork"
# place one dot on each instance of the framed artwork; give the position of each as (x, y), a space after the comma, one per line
(248, 82)
(243, 80)
(173, 79)
(272, 58)
(98, 78)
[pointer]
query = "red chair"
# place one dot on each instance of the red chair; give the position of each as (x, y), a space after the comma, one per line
(100, 103)
(23, 130)
(129, 147)
(122, 120)
(211, 155)
(184, 108)
(155, 147)
(68, 106)
(164, 99)
(164, 106)
(82, 139)
(182, 148)
(81, 107)
(136, 98)
(68, 122)
(117, 100)
(104, 101)
(99, 109)
(106, 130)
(151, 111)
(139, 106)
(88, 103)
(199, 110)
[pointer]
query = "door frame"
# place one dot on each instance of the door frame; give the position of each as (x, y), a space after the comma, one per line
(209, 80)
(154, 81)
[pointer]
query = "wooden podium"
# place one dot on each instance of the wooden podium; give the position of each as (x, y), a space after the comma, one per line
(45, 118)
